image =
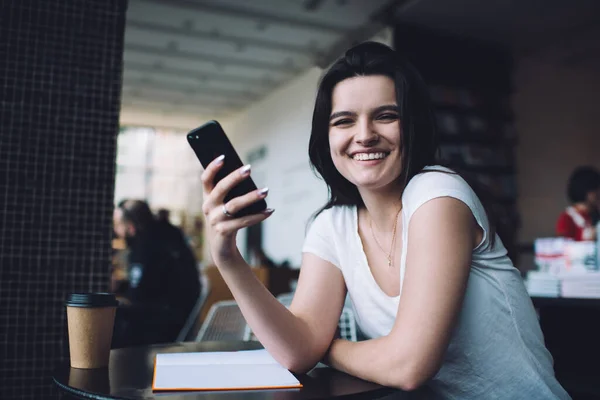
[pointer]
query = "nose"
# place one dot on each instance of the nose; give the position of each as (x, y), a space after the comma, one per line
(365, 134)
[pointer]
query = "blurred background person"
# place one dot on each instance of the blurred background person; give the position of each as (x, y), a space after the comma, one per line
(163, 215)
(578, 221)
(163, 280)
(163, 221)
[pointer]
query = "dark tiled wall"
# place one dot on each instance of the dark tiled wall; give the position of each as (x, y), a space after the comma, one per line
(60, 85)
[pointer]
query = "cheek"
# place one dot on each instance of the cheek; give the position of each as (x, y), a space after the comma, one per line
(395, 134)
(337, 150)
(333, 144)
(338, 143)
(336, 158)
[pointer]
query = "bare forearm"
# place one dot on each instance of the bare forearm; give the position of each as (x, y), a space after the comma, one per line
(287, 338)
(371, 360)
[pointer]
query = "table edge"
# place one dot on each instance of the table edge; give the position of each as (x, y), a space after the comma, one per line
(82, 394)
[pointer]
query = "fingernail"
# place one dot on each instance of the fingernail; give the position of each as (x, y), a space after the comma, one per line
(245, 169)
(269, 211)
(263, 191)
(220, 159)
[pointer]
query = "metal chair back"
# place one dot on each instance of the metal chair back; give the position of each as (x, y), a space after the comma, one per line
(224, 322)
(186, 331)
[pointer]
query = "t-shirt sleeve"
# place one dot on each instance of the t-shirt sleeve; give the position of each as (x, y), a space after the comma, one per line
(319, 239)
(434, 184)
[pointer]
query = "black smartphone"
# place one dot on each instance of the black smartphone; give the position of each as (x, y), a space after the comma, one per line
(209, 141)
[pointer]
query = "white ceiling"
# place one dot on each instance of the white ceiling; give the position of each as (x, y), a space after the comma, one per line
(186, 61)
(199, 59)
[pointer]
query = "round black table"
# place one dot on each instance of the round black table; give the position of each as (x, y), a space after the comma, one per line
(129, 376)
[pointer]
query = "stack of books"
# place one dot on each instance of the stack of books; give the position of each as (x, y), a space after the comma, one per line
(581, 285)
(543, 284)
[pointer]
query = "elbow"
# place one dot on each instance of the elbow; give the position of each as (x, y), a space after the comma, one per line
(299, 364)
(410, 378)
(302, 361)
(408, 384)
(304, 354)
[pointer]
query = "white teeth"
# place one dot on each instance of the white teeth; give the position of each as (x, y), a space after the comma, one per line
(368, 156)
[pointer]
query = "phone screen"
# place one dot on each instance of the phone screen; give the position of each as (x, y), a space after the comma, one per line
(210, 141)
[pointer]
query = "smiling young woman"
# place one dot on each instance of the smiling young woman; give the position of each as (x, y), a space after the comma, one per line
(440, 304)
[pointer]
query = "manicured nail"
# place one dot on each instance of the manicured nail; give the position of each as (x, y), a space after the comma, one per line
(269, 211)
(263, 191)
(219, 159)
(245, 169)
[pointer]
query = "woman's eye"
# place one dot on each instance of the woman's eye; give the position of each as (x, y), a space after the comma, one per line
(388, 117)
(342, 122)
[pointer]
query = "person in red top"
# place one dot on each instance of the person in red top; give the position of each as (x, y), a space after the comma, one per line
(578, 221)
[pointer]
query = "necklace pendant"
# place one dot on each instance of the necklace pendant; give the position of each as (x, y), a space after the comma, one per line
(389, 262)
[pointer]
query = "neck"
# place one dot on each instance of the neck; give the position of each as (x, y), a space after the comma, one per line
(582, 207)
(382, 207)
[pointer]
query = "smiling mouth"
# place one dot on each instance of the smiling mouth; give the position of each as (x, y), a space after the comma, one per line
(369, 156)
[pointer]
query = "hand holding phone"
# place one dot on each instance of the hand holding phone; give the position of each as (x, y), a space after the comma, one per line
(209, 141)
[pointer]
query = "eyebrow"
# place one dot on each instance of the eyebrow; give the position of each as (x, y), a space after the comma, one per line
(387, 107)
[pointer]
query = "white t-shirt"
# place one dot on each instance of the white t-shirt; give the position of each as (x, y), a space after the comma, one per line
(497, 350)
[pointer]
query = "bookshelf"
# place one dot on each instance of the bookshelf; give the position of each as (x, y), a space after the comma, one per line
(470, 85)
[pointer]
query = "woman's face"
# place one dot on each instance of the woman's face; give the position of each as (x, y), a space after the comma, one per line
(364, 132)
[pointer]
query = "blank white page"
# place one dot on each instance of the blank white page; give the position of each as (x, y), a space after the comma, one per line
(216, 357)
(254, 369)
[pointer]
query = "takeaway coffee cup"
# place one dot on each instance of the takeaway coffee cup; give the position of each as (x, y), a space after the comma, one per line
(90, 319)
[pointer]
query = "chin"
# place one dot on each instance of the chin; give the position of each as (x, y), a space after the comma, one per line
(371, 184)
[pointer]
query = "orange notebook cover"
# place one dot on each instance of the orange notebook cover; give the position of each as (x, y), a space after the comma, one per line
(229, 370)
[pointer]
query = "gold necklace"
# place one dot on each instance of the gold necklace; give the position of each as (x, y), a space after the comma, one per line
(388, 255)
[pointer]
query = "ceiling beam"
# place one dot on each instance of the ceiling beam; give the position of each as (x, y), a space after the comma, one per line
(248, 13)
(206, 57)
(190, 88)
(238, 41)
(152, 107)
(170, 100)
(174, 96)
(142, 105)
(135, 101)
(198, 75)
(157, 118)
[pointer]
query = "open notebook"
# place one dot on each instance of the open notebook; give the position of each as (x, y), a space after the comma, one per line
(230, 370)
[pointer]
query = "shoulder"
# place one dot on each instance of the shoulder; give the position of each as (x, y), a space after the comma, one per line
(437, 181)
(435, 177)
(334, 216)
(564, 219)
(331, 224)
(328, 232)
(564, 215)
